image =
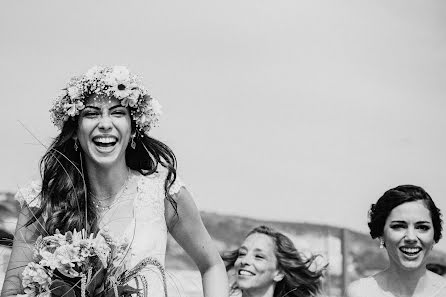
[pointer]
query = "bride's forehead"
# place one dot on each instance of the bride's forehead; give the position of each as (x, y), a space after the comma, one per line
(101, 100)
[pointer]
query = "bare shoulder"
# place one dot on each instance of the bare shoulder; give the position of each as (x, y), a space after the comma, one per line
(355, 288)
(367, 285)
(438, 282)
(184, 205)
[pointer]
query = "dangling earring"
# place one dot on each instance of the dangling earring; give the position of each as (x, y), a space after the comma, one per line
(133, 143)
(381, 243)
(76, 147)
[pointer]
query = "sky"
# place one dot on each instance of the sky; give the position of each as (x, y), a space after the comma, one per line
(303, 111)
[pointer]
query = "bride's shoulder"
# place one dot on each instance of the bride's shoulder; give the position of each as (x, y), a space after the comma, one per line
(158, 177)
(29, 194)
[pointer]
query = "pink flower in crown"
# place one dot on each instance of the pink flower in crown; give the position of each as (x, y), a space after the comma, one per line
(72, 109)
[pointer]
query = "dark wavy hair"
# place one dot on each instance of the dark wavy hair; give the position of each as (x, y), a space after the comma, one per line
(299, 280)
(64, 192)
(380, 211)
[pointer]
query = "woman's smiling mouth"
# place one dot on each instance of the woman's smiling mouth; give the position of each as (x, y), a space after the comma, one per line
(410, 251)
(105, 144)
(245, 272)
(105, 141)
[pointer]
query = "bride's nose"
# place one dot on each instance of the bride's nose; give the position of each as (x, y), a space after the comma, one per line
(105, 122)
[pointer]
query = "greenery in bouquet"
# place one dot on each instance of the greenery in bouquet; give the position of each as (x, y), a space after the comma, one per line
(76, 264)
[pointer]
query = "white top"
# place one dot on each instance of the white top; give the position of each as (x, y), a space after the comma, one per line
(137, 216)
(368, 287)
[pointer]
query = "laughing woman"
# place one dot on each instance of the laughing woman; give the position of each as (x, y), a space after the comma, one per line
(268, 265)
(105, 173)
(408, 224)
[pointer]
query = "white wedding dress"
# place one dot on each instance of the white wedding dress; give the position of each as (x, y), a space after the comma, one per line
(137, 216)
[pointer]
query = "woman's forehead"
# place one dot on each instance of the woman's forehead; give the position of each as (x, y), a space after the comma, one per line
(410, 211)
(259, 241)
(101, 100)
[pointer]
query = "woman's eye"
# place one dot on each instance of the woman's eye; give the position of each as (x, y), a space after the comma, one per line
(424, 227)
(397, 226)
(260, 257)
(90, 114)
(119, 113)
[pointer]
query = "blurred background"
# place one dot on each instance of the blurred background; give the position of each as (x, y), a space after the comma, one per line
(298, 114)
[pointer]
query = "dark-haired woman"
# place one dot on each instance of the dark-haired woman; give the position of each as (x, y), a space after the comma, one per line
(268, 265)
(407, 224)
(105, 173)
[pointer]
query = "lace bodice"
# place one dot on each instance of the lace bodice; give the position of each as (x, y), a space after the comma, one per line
(137, 218)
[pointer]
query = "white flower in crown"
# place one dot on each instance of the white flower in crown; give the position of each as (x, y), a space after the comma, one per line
(74, 92)
(132, 98)
(114, 81)
(93, 72)
(73, 109)
(119, 82)
(156, 107)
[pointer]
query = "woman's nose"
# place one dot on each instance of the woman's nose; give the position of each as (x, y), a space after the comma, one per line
(246, 260)
(105, 122)
(411, 234)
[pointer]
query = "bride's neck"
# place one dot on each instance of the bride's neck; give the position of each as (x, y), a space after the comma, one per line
(106, 182)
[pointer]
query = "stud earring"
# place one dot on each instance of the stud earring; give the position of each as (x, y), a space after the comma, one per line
(133, 143)
(381, 243)
(76, 147)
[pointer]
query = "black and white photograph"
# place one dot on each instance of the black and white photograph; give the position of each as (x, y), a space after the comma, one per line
(223, 148)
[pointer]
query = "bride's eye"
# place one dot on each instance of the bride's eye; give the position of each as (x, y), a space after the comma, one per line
(90, 114)
(119, 112)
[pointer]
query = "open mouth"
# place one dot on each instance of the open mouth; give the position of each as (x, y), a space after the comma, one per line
(245, 272)
(410, 251)
(105, 141)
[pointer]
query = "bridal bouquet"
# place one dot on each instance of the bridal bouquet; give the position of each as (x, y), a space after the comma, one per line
(76, 264)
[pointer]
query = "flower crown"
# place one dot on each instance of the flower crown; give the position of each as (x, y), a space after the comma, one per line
(116, 81)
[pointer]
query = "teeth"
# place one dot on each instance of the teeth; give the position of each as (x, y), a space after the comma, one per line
(410, 250)
(105, 140)
(244, 272)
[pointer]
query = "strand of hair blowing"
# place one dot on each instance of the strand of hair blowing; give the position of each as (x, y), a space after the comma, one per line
(299, 279)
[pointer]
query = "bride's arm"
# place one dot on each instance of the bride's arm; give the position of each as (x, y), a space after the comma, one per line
(189, 231)
(21, 255)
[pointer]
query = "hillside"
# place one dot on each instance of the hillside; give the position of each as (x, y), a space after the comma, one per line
(363, 255)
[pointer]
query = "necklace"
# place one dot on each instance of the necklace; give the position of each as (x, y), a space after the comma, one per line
(99, 203)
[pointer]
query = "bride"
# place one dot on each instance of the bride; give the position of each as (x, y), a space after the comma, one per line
(105, 173)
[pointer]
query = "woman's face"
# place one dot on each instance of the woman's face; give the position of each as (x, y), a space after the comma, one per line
(256, 265)
(104, 130)
(409, 235)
